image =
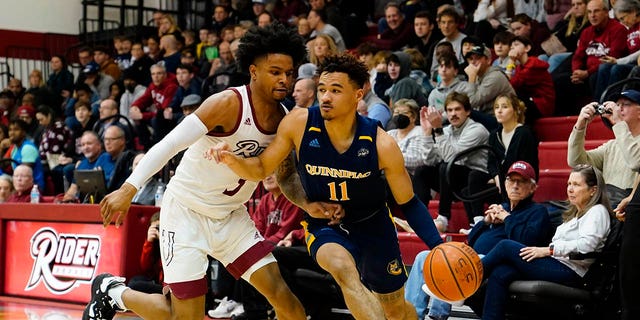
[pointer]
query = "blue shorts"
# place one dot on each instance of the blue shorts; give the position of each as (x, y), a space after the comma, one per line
(373, 243)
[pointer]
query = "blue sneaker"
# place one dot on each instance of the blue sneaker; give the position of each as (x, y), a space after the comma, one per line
(101, 306)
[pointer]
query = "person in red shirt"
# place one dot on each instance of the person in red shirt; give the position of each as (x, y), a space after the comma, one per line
(151, 279)
(275, 216)
(153, 107)
(531, 80)
(22, 183)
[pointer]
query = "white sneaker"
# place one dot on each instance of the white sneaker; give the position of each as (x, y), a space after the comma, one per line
(224, 308)
(458, 303)
(239, 309)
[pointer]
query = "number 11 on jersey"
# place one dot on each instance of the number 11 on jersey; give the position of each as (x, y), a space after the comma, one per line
(343, 191)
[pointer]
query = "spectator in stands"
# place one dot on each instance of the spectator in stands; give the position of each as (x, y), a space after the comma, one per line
(425, 35)
(93, 158)
(82, 93)
(418, 67)
(463, 132)
(187, 84)
(132, 91)
(334, 16)
(55, 139)
(123, 51)
(28, 115)
(449, 82)
(7, 104)
(523, 25)
(6, 187)
(60, 80)
(512, 141)
(584, 229)
(616, 69)
(189, 37)
(604, 37)
(41, 92)
(304, 93)
(157, 17)
(492, 17)
(23, 151)
(501, 46)
(318, 22)
(168, 26)
(115, 145)
(15, 86)
(102, 56)
(371, 106)
(415, 142)
(568, 32)
(321, 47)
(228, 33)
(265, 19)
(140, 65)
(109, 117)
(616, 156)
(171, 52)
(149, 108)
(150, 281)
(403, 87)
(287, 11)
(531, 80)
(487, 82)
(99, 82)
(85, 55)
(153, 47)
(146, 194)
(22, 183)
(83, 121)
(518, 218)
(257, 8)
(448, 22)
(221, 18)
(304, 28)
(224, 61)
(399, 30)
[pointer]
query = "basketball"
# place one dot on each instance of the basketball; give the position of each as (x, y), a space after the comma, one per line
(452, 271)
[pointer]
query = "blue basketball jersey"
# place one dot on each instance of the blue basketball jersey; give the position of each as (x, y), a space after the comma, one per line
(352, 178)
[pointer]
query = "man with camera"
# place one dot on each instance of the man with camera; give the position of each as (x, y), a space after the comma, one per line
(615, 158)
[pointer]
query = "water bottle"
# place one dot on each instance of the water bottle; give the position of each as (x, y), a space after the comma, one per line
(159, 194)
(35, 194)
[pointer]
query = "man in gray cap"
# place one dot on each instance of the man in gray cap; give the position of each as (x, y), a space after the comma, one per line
(189, 104)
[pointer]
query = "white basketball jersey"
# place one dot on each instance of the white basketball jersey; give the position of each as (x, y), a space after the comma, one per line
(212, 189)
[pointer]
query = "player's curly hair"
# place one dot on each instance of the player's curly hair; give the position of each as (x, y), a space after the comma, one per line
(346, 63)
(274, 38)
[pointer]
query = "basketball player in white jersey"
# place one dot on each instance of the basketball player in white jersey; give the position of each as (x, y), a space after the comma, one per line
(203, 209)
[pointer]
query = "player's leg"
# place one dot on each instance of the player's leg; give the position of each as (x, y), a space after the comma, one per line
(395, 306)
(268, 281)
(339, 262)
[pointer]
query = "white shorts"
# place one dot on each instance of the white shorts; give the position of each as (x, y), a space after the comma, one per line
(188, 237)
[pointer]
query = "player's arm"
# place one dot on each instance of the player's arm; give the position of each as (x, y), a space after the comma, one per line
(219, 112)
(391, 161)
(290, 131)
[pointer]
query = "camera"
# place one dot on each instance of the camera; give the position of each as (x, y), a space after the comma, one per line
(601, 109)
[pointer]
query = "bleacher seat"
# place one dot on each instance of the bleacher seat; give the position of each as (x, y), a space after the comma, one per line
(552, 185)
(553, 154)
(559, 129)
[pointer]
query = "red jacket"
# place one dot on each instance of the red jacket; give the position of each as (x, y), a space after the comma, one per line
(597, 43)
(157, 98)
(533, 80)
(150, 261)
(276, 218)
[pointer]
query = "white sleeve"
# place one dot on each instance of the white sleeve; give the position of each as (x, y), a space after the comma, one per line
(181, 137)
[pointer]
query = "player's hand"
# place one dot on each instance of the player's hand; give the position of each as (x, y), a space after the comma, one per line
(221, 153)
(325, 210)
(530, 253)
(116, 204)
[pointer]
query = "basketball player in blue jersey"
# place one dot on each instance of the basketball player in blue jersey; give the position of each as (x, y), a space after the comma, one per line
(341, 159)
(203, 210)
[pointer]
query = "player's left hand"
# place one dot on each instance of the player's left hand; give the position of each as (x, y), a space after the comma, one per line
(325, 210)
(221, 153)
(530, 253)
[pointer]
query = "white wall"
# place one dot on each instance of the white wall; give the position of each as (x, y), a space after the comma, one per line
(54, 16)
